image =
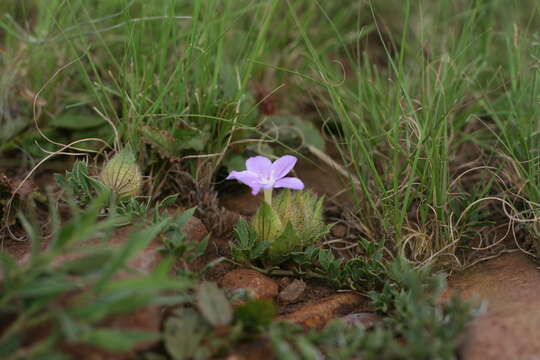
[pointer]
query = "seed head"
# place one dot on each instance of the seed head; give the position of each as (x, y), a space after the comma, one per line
(122, 174)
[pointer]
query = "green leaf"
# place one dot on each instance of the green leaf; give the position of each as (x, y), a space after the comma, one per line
(326, 258)
(199, 248)
(47, 286)
(70, 329)
(118, 339)
(170, 144)
(191, 138)
(81, 227)
(213, 304)
(281, 248)
(86, 264)
(71, 121)
(244, 235)
(181, 220)
(256, 314)
(9, 129)
(135, 243)
(184, 334)
(294, 131)
(168, 201)
(266, 223)
(259, 249)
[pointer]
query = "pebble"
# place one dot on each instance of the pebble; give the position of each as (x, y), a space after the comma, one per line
(292, 292)
(258, 285)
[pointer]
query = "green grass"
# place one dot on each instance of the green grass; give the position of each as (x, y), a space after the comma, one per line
(178, 85)
(414, 127)
(434, 107)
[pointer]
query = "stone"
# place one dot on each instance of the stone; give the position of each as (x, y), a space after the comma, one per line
(292, 292)
(315, 316)
(364, 319)
(258, 285)
(509, 289)
(195, 229)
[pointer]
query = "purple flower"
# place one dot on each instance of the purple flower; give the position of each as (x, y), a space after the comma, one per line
(262, 173)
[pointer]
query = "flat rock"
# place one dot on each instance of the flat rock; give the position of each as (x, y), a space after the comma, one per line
(195, 229)
(315, 316)
(365, 319)
(258, 285)
(292, 292)
(509, 287)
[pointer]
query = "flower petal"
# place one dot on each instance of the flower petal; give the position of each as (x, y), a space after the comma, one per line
(283, 166)
(290, 183)
(259, 165)
(246, 177)
(255, 189)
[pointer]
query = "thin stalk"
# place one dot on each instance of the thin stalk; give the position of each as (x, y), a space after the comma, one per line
(268, 196)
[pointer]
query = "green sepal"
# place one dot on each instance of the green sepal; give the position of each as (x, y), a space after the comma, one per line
(266, 223)
(281, 248)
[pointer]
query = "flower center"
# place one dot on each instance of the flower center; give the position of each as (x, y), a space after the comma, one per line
(267, 180)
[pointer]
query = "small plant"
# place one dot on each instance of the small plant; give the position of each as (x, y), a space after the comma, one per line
(212, 326)
(77, 184)
(80, 187)
(416, 325)
(120, 176)
(365, 271)
(291, 223)
(66, 299)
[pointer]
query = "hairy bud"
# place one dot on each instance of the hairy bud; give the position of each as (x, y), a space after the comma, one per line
(122, 175)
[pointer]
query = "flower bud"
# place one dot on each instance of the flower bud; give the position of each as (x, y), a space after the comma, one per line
(292, 223)
(122, 175)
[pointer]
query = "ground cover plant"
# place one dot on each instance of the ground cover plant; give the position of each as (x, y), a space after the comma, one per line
(130, 129)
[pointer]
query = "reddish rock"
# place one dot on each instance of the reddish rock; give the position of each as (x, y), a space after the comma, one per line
(318, 314)
(509, 287)
(366, 320)
(195, 229)
(293, 291)
(146, 319)
(146, 260)
(257, 284)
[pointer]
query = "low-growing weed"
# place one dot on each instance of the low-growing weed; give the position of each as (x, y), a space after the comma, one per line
(67, 288)
(416, 325)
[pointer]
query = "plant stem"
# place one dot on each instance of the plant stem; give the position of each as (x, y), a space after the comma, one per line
(268, 196)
